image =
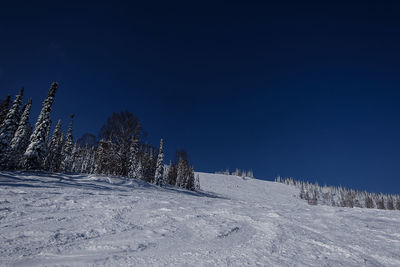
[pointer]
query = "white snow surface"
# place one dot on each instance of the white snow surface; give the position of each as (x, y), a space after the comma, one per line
(69, 220)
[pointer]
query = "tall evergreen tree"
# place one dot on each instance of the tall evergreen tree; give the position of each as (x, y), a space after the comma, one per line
(77, 158)
(150, 165)
(4, 107)
(158, 177)
(172, 173)
(189, 179)
(36, 151)
(20, 140)
(54, 156)
(9, 126)
(135, 168)
(180, 177)
(66, 164)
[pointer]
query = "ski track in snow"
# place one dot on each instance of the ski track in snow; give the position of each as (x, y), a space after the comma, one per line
(57, 219)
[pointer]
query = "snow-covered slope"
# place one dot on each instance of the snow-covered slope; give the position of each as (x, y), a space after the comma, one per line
(59, 219)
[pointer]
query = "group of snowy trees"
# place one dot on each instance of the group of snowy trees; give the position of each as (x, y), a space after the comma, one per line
(120, 150)
(342, 197)
(237, 172)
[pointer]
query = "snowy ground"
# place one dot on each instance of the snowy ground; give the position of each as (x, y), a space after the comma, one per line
(86, 220)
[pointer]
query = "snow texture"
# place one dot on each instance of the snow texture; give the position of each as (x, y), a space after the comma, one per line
(56, 219)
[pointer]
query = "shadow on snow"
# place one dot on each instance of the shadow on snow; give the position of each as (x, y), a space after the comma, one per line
(40, 179)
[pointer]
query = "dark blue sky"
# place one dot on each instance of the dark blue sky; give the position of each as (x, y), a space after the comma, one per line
(310, 90)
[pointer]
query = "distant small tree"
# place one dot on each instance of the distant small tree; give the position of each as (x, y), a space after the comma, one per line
(380, 203)
(197, 182)
(398, 203)
(369, 203)
(314, 199)
(390, 205)
(302, 193)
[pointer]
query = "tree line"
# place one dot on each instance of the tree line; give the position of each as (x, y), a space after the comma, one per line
(339, 196)
(237, 172)
(118, 150)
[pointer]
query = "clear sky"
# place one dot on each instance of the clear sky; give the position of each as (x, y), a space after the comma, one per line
(308, 90)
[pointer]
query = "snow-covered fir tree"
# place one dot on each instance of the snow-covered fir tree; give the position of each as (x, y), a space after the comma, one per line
(197, 182)
(150, 165)
(158, 177)
(77, 158)
(91, 164)
(180, 174)
(9, 127)
(4, 107)
(54, 156)
(389, 203)
(103, 160)
(48, 138)
(134, 166)
(20, 140)
(87, 160)
(37, 149)
(66, 164)
(172, 173)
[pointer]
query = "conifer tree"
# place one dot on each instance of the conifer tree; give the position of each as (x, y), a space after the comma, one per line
(390, 204)
(150, 166)
(102, 159)
(398, 203)
(21, 138)
(380, 202)
(66, 164)
(369, 203)
(134, 161)
(158, 177)
(302, 193)
(197, 182)
(77, 158)
(180, 174)
(190, 179)
(9, 127)
(4, 107)
(54, 157)
(36, 151)
(172, 173)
